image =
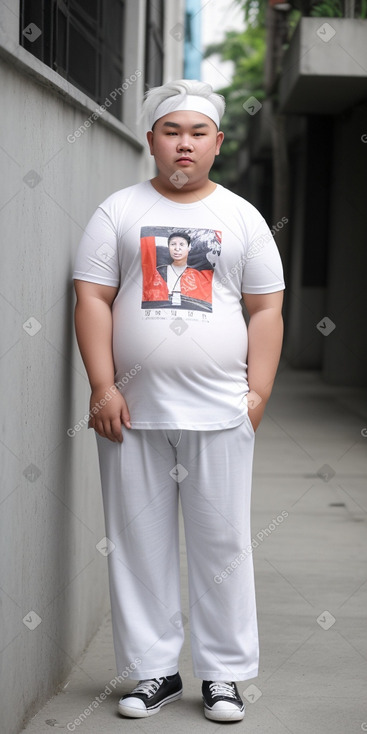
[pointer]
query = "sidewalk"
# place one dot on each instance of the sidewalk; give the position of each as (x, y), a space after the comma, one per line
(311, 582)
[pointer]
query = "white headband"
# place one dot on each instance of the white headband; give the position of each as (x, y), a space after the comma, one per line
(190, 102)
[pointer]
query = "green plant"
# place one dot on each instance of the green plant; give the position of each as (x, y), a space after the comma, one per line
(246, 50)
(327, 9)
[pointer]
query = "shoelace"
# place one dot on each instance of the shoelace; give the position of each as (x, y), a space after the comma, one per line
(219, 688)
(148, 687)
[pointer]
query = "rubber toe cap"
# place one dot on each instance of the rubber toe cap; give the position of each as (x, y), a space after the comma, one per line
(132, 703)
(224, 706)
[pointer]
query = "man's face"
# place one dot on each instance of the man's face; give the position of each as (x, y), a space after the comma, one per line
(184, 145)
(179, 250)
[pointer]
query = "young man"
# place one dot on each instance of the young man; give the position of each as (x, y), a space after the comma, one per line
(181, 422)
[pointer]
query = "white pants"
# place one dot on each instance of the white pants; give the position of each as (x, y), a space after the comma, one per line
(142, 479)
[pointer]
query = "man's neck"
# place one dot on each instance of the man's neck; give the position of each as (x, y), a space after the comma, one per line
(184, 195)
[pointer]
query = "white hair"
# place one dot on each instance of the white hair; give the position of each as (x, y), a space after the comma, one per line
(180, 89)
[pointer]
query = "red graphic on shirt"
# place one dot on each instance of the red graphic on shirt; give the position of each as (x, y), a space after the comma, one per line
(193, 286)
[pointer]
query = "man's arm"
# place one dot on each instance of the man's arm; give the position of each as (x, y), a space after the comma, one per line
(265, 336)
(93, 325)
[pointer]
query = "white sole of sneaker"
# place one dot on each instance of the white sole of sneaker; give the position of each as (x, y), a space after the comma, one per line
(141, 713)
(229, 715)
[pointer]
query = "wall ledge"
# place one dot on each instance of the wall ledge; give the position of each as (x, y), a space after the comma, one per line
(40, 73)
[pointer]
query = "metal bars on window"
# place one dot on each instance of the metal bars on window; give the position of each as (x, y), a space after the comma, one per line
(82, 40)
(154, 43)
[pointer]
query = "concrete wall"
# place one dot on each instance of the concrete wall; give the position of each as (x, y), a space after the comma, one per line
(305, 305)
(325, 66)
(53, 587)
(325, 320)
(345, 348)
(326, 317)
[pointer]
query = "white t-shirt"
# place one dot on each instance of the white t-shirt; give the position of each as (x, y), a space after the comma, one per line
(180, 357)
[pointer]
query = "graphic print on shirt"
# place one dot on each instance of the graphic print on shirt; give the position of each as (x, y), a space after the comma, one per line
(178, 266)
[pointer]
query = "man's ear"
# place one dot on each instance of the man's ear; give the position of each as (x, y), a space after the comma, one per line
(220, 138)
(150, 141)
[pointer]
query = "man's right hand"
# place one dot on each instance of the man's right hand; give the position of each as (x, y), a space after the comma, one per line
(108, 419)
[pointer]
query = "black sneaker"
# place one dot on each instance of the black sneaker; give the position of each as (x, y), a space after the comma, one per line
(222, 701)
(150, 695)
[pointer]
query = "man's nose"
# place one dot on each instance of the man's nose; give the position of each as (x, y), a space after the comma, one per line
(185, 143)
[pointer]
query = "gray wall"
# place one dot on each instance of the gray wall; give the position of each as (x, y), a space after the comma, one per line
(325, 324)
(51, 513)
(305, 306)
(345, 348)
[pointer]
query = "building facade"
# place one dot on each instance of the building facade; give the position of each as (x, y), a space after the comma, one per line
(72, 76)
(316, 111)
(323, 95)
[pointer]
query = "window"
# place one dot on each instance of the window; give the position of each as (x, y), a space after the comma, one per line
(317, 201)
(154, 47)
(82, 40)
(188, 27)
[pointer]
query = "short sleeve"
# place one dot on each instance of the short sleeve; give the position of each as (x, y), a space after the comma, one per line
(97, 255)
(263, 270)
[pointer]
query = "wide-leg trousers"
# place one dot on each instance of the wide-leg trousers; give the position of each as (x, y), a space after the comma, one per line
(142, 479)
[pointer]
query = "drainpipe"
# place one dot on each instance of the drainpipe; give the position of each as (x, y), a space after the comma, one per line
(349, 8)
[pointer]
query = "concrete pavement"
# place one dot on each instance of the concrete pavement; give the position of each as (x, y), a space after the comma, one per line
(311, 583)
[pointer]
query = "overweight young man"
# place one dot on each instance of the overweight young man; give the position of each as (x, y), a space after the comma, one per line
(192, 388)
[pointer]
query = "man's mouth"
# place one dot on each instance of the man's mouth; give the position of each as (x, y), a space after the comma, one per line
(184, 159)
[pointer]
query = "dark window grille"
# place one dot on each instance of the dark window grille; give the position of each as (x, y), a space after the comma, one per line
(154, 43)
(82, 40)
(188, 27)
(317, 201)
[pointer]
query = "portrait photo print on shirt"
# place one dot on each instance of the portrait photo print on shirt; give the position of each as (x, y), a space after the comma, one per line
(178, 265)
